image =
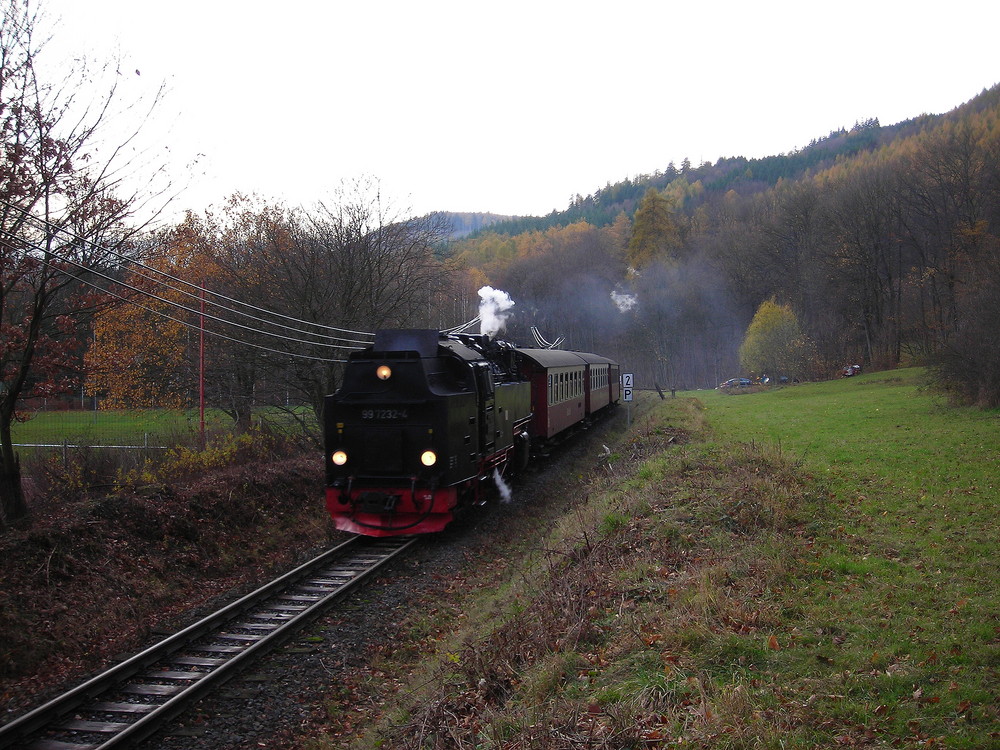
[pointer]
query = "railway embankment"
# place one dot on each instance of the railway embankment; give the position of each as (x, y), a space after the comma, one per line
(93, 578)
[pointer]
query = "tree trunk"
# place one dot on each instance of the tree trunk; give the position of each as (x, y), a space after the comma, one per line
(13, 506)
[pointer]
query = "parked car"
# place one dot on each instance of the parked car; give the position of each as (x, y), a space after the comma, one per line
(735, 383)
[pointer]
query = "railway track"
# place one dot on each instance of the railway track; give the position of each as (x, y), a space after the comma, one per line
(130, 701)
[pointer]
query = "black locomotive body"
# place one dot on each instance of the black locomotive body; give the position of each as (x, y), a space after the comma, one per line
(423, 419)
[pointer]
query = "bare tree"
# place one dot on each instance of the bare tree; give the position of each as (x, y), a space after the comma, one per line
(316, 283)
(355, 264)
(58, 217)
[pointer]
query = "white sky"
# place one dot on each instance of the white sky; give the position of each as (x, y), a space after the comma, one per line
(513, 107)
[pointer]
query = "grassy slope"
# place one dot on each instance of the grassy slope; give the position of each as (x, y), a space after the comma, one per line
(814, 567)
(907, 579)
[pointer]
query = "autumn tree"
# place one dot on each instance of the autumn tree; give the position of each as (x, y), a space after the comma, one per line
(774, 344)
(141, 354)
(949, 194)
(489, 252)
(242, 241)
(655, 232)
(290, 294)
(58, 220)
(863, 223)
(967, 366)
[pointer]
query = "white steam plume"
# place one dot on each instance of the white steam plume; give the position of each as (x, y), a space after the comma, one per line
(505, 493)
(493, 307)
(624, 302)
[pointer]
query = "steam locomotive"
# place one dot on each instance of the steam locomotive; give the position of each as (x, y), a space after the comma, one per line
(423, 420)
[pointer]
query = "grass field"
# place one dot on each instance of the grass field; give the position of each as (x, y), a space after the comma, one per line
(882, 425)
(907, 582)
(136, 427)
(114, 427)
(801, 567)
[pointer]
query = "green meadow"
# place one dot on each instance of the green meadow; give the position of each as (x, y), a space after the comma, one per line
(805, 566)
(899, 602)
(162, 427)
(115, 427)
(882, 425)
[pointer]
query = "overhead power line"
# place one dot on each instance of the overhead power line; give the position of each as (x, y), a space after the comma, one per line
(461, 328)
(55, 229)
(210, 332)
(180, 306)
(542, 343)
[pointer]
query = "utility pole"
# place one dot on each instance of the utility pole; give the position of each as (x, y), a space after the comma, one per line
(201, 370)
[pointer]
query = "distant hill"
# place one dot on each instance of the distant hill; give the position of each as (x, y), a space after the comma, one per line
(737, 173)
(745, 176)
(464, 224)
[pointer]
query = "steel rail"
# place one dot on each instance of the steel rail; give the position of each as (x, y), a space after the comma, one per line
(270, 614)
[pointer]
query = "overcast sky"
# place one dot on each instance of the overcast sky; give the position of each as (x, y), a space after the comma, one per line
(513, 107)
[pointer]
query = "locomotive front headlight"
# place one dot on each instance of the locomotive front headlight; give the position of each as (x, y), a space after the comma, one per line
(384, 372)
(428, 458)
(339, 458)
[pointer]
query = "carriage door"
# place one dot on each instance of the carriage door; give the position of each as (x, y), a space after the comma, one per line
(487, 408)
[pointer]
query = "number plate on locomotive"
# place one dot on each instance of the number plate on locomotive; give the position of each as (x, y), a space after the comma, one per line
(383, 414)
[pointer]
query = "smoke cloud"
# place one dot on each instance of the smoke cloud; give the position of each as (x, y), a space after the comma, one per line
(505, 493)
(493, 307)
(624, 302)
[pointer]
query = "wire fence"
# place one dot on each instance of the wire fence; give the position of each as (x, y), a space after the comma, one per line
(85, 420)
(58, 433)
(71, 449)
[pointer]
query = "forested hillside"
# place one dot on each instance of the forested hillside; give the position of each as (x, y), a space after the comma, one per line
(465, 223)
(883, 242)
